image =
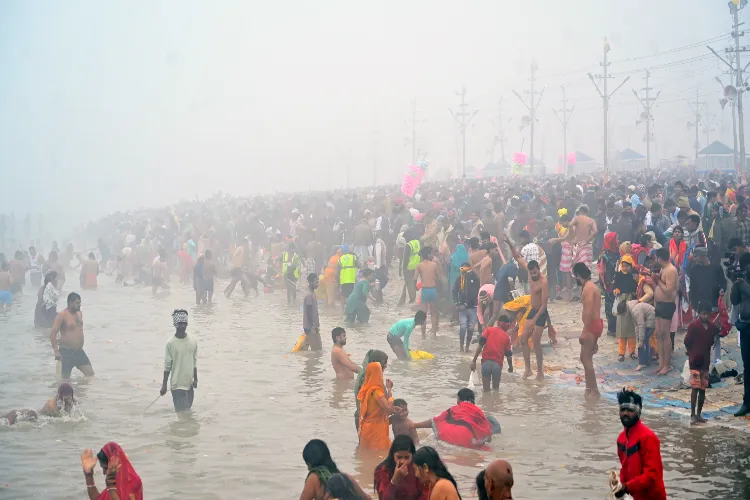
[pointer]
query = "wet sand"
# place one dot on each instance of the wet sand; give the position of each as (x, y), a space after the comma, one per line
(257, 405)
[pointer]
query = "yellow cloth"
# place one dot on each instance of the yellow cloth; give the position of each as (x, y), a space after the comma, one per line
(515, 305)
(373, 421)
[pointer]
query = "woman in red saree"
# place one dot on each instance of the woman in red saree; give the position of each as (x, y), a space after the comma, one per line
(122, 482)
(461, 425)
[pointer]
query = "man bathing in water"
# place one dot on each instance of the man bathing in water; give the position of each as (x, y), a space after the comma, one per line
(6, 283)
(429, 273)
(310, 315)
(181, 361)
(665, 294)
(69, 349)
(582, 232)
(343, 366)
(538, 315)
(593, 326)
(54, 407)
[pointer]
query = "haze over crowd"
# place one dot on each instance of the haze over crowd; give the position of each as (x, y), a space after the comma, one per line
(114, 106)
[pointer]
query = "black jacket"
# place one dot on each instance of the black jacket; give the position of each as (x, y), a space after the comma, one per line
(741, 297)
(469, 295)
(705, 284)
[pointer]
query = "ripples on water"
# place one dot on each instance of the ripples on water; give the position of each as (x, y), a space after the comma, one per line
(257, 405)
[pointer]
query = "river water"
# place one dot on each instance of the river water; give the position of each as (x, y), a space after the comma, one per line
(257, 405)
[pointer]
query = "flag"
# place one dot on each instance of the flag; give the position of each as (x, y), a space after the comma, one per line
(606, 45)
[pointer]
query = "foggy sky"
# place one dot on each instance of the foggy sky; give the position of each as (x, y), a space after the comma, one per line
(108, 106)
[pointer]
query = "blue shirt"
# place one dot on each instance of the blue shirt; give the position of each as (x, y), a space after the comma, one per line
(403, 329)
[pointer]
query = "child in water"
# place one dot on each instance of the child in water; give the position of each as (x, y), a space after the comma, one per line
(401, 424)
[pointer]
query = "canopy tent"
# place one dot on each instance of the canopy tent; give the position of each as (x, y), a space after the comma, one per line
(627, 159)
(715, 156)
(583, 164)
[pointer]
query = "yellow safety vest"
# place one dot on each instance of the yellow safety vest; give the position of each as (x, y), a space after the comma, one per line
(286, 262)
(414, 259)
(348, 270)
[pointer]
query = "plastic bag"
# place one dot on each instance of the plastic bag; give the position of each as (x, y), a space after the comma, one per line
(473, 380)
(614, 305)
(686, 373)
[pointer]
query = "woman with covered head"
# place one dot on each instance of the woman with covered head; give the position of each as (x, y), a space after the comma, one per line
(371, 356)
(376, 405)
(122, 482)
(324, 478)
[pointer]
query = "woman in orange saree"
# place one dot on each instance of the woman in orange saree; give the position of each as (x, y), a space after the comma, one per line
(376, 404)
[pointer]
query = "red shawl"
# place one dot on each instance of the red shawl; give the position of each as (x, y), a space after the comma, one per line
(463, 425)
(129, 484)
(677, 255)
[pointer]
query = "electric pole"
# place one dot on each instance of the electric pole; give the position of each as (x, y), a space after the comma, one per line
(532, 111)
(566, 112)
(736, 68)
(414, 122)
(605, 99)
(463, 118)
(647, 102)
(499, 129)
(697, 109)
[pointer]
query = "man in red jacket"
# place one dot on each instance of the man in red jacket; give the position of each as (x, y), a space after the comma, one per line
(638, 447)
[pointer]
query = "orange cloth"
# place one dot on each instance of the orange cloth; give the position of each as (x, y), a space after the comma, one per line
(373, 421)
(332, 269)
(621, 345)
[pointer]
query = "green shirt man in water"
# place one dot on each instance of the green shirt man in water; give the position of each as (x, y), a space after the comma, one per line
(356, 305)
(181, 360)
(398, 335)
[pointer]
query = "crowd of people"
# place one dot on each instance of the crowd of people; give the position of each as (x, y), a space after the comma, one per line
(485, 255)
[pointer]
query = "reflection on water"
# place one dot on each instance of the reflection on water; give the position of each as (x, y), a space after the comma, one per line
(257, 405)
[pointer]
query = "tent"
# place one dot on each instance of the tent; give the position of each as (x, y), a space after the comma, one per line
(497, 169)
(584, 164)
(716, 155)
(627, 159)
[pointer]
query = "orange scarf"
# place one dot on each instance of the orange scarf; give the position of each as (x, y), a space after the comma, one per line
(373, 421)
(677, 254)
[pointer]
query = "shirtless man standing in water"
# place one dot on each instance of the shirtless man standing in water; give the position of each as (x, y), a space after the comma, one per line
(343, 366)
(593, 326)
(538, 315)
(70, 352)
(581, 235)
(665, 293)
(428, 272)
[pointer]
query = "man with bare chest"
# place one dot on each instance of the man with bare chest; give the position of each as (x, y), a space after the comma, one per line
(343, 366)
(593, 326)
(69, 348)
(582, 232)
(665, 294)
(538, 315)
(429, 273)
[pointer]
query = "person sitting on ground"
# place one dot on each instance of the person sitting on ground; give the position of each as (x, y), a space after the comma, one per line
(395, 477)
(62, 403)
(122, 482)
(401, 424)
(321, 468)
(462, 425)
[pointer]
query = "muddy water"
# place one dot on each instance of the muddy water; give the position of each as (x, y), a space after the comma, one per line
(257, 405)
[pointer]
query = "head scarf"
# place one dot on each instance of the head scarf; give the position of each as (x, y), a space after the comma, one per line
(626, 248)
(370, 356)
(640, 189)
(464, 270)
(631, 404)
(628, 259)
(610, 242)
(179, 316)
(682, 202)
(128, 482)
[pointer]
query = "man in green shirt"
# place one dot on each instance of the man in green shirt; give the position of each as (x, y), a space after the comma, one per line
(356, 305)
(402, 330)
(180, 359)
